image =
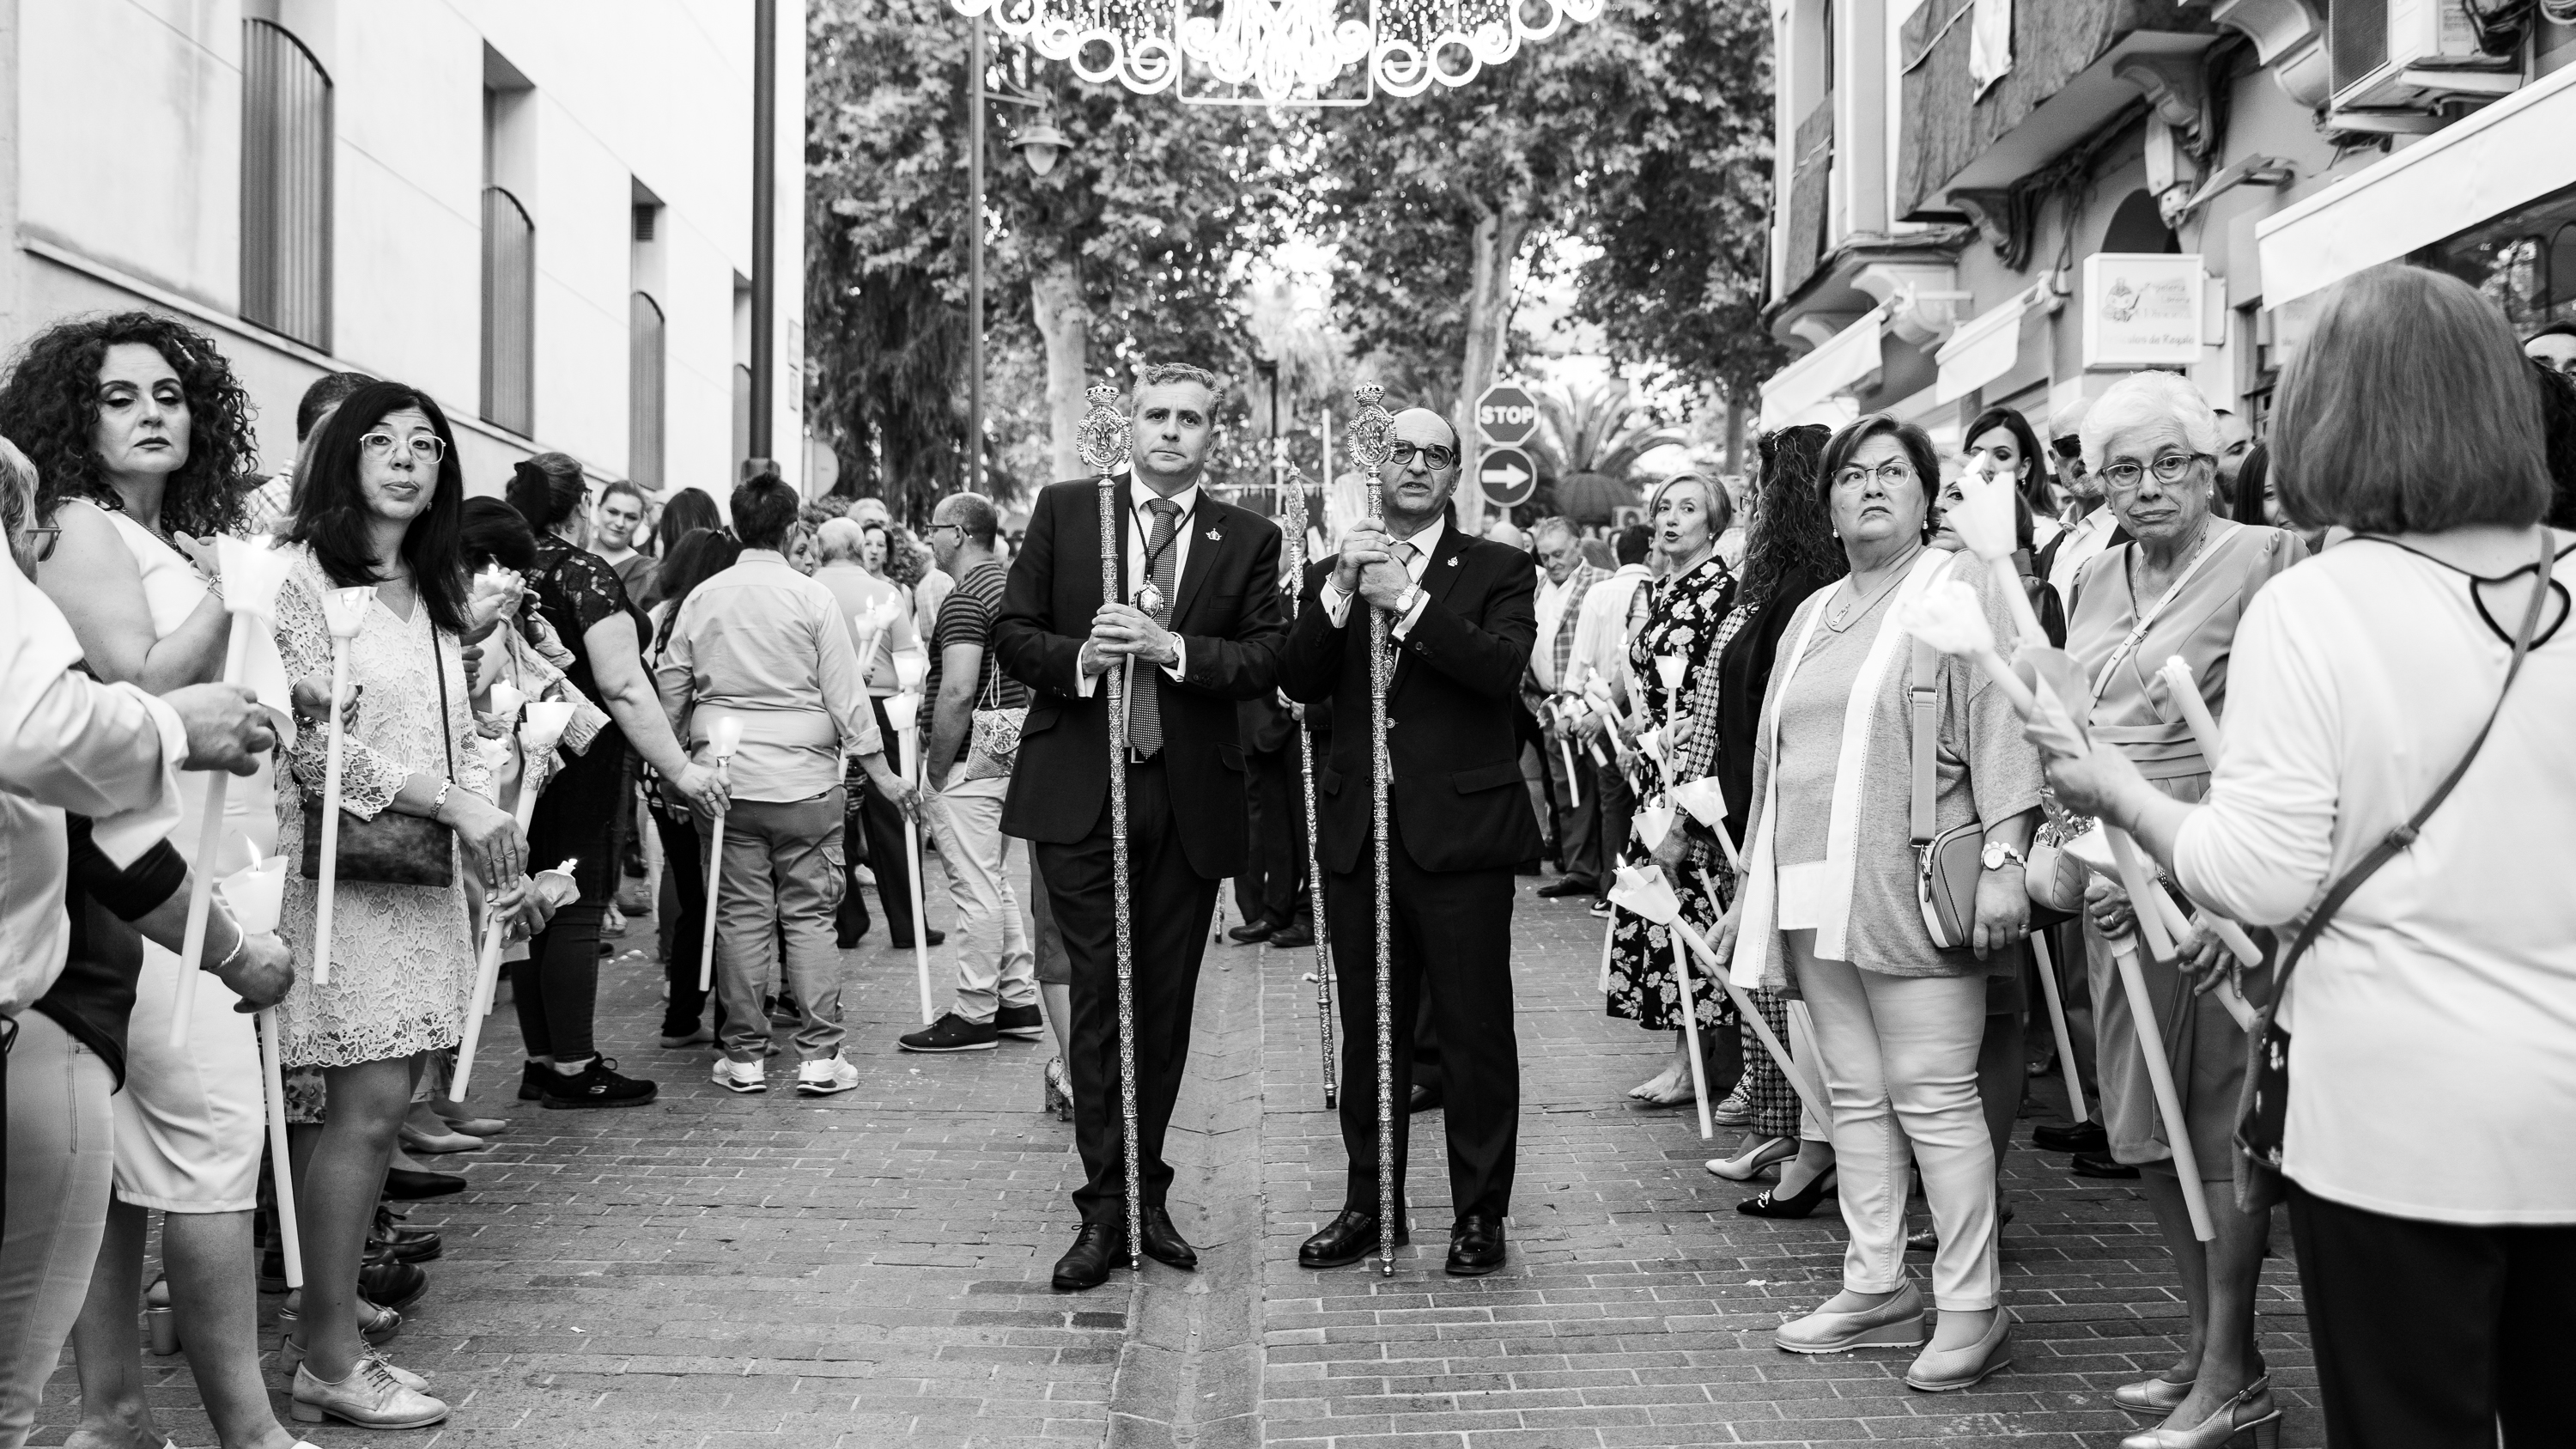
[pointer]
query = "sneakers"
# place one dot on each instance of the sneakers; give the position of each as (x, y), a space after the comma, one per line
(1736, 1110)
(736, 1076)
(370, 1397)
(532, 1081)
(595, 1085)
(825, 1077)
(952, 1033)
(1023, 1022)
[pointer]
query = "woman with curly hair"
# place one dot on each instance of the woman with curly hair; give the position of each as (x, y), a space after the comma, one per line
(140, 434)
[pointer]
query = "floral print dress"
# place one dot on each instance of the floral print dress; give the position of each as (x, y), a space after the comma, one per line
(1687, 615)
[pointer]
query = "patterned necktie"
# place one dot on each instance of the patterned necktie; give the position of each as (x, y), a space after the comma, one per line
(1145, 711)
(1404, 553)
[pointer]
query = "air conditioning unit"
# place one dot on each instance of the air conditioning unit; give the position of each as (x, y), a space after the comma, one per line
(2409, 55)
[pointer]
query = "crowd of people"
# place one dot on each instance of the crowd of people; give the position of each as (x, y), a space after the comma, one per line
(1865, 878)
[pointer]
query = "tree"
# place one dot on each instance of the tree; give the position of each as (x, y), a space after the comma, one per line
(1131, 247)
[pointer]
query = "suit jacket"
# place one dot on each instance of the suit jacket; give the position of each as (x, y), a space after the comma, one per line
(1457, 796)
(1226, 607)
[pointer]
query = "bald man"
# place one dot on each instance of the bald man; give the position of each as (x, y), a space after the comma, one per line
(1462, 622)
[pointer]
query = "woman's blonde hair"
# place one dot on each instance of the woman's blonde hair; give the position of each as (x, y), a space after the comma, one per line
(1721, 506)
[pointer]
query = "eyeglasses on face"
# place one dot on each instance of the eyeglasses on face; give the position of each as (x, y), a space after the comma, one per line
(1888, 474)
(2168, 468)
(1434, 456)
(425, 449)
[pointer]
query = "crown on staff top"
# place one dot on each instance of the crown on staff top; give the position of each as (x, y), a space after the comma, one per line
(1102, 395)
(1101, 437)
(1372, 433)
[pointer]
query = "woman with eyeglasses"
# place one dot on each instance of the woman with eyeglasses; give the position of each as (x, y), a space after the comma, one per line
(581, 813)
(1830, 905)
(2178, 587)
(380, 510)
(139, 432)
(1681, 615)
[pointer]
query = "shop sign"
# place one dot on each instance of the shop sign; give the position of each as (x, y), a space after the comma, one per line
(2142, 309)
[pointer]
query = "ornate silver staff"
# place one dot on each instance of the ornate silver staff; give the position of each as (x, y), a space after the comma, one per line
(1102, 438)
(1292, 577)
(1372, 438)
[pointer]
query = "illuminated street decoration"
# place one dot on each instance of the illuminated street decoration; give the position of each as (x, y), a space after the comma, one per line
(1280, 52)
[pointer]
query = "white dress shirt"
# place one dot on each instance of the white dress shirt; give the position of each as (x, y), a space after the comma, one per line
(2085, 537)
(1140, 496)
(1337, 604)
(1601, 629)
(67, 742)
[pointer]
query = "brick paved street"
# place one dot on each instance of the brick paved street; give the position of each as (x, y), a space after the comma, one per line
(714, 1272)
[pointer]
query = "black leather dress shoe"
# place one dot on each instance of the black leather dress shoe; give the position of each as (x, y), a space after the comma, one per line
(1424, 1098)
(2093, 1164)
(1572, 885)
(1349, 1237)
(1164, 1243)
(2071, 1137)
(1251, 931)
(1475, 1246)
(1295, 936)
(395, 1285)
(1086, 1264)
(404, 1185)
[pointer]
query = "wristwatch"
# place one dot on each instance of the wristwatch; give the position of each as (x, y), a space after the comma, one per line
(1997, 852)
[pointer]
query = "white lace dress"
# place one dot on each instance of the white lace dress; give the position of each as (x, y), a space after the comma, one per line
(402, 957)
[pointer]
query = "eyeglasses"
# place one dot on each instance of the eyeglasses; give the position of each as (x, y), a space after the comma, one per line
(934, 528)
(2122, 477)
(1887, 474)
(44, 540)
(425, 449)
(1434, 456)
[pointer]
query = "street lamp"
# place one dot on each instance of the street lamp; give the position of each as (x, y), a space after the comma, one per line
(1039, 144)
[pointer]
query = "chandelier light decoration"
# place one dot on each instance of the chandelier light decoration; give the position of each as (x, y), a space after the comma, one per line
(1280, 52)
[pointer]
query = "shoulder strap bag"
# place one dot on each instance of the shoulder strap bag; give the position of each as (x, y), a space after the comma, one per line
(993, 743)
(1948, 863)
(392, 848)
(2262, 1111)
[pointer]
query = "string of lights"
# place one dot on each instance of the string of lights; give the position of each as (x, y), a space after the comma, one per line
(1280, 52)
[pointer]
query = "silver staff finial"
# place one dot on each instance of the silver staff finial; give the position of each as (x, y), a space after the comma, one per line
(1101, 437)
(1372, 434)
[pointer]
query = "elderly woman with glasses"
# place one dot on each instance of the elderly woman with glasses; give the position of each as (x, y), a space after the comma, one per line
(1830, 905)
(2177, 589)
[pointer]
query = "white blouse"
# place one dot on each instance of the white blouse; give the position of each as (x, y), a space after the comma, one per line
(2433, 1024)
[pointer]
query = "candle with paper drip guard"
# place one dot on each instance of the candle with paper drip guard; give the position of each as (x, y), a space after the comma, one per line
(255, 896)
(1705, 799)
(251, 576)
(904, 713)
(2185, 689)
(1656, 902)
(1669, 669)
(1642, 890)
(1987, 523)
(1948, 617)
(345, 612)
(541, 724)
(724, 736)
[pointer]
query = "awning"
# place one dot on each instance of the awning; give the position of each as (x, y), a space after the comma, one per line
(2513, 152)
(1985, 347)
(1808, 387)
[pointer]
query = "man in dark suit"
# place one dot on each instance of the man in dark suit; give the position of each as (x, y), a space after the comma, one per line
(1459, 820)
(1213, 640)
(1270, 890)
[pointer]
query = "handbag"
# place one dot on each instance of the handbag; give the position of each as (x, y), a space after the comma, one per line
(2263, 1106)
(392, 848)
(993, 744)
(1948, 863)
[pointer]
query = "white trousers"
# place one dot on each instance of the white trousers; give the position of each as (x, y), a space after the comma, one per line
(1900, 1065)
(995, 965)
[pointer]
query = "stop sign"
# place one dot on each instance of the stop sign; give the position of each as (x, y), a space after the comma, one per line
(1506, 414)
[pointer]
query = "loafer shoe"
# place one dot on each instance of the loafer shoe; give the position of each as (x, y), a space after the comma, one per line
(1942, 1370)
(370, 1397)
(1475, 1246)
(1164, 1243)
(1085, 1265)
(1897, 1323)
(1349, 1237)
(2071, 1137)
(952, 1033)
(1026, 1023)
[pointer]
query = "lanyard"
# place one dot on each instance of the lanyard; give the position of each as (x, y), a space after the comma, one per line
(1154, 555)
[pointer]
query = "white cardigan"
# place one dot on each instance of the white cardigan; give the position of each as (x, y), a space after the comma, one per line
(2438, 1011)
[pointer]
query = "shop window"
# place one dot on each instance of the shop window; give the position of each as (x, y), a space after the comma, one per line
(509, 313)
(2524, 262)
(285, 186)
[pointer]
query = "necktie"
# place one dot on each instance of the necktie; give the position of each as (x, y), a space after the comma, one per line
(1145, 711)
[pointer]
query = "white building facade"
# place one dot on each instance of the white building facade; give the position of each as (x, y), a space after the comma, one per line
(537, 211)
(2014, 202)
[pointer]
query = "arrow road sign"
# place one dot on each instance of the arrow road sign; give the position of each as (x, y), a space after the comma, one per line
(1508, 477)
(1507, 415)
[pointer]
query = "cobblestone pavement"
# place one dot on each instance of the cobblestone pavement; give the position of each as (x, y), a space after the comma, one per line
(714, 1272)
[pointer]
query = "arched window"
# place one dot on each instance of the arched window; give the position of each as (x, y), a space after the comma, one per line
(286, 186)
(509, 313)
(644, 392)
